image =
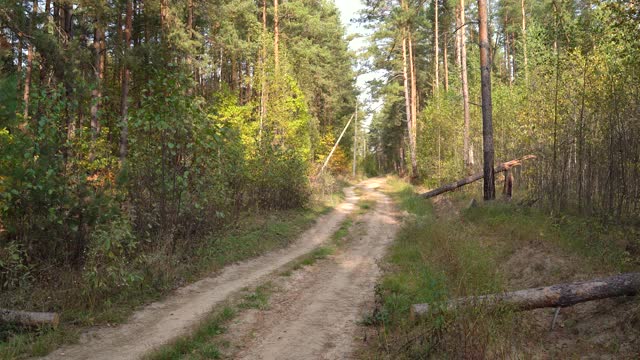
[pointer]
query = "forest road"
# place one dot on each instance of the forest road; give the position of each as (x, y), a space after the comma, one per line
(180, 313)
(317, 314)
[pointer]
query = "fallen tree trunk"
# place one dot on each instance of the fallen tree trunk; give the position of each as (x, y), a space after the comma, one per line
(473, 178)
(562, 295)
(29, 318)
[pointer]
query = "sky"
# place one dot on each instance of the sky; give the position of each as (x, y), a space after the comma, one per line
(349, 10)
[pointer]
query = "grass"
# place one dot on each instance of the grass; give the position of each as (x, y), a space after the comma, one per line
(204, 343)
(159, 273)
(438, 258)
(599, 245)
(320, 252)
(199, 345)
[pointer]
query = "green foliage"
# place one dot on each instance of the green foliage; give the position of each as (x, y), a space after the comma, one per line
(48, 203)
(8, 102)
(133, 159)
(200, 345)
(110, 261)
(14, 270)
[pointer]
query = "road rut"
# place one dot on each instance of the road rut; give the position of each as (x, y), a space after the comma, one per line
(316, 316)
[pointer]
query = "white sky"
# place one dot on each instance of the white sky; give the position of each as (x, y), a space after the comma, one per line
(349, 10)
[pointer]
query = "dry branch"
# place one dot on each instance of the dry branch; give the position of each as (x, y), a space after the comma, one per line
(473, 178)
(29, 318)
(561, 295)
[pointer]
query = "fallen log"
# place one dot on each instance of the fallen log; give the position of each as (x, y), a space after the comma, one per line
(561, 295)
(25, 318)
(473, 178)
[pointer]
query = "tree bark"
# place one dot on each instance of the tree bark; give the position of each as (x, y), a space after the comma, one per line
(276, 30)
(263, 64)
(473, 178)
(124, 106)
(99, 48)
(19, 65)
(524, 41)
(190, 18)
(407, 92)
(507, 191)
(29, 318)
(487, 123)
(164, 17)
(457, 33)
(436, 50)
(445, 61)
(413, 141)
(467, 156)
(27, 78)
(562, 295)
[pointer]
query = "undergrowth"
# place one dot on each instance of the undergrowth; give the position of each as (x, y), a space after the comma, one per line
(155, 275)
(436, 258)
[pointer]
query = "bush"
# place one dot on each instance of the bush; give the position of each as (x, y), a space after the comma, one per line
(14, 271)
(49, 203)
(111, 258)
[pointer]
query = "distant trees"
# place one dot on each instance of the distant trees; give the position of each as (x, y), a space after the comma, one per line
(393, 49)
(564, 86)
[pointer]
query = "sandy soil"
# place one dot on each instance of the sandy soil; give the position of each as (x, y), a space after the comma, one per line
(316, 313)
(163, 321)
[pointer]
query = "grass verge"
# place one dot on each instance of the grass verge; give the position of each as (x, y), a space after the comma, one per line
(487, 249)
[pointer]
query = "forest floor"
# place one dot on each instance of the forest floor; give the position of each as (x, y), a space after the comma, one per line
(447, 249)
(300, 302)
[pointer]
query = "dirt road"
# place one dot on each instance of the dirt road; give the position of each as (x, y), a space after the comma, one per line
(316, 316)
(163, 321)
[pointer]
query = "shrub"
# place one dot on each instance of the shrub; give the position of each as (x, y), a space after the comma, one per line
(14, 271)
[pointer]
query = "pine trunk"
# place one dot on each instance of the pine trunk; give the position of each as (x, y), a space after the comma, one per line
(407, 92)
(413, 142)
(445, 61)
(436, 50)
(263, 64)
(467, 156)
(98, 44)
(27, 78)
(524, 41)
(276, 41)
(487, 122)
(124, 106)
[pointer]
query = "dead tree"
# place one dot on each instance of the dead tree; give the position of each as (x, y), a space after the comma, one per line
(473, 178)
(562, 295)
(33, 319)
